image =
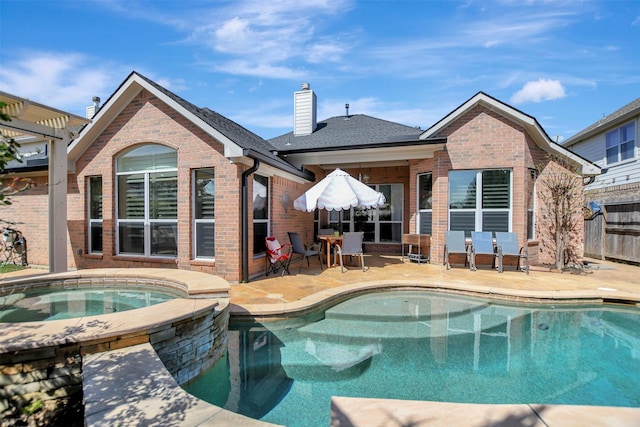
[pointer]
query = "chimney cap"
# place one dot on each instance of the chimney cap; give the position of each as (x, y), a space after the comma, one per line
(306, 86)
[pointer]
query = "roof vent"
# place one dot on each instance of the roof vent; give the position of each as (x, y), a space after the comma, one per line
(346, 107)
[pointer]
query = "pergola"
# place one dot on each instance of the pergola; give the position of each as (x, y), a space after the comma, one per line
(58, 128)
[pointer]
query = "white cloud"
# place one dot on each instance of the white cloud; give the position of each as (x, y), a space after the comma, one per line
(248, 68)
(61, 80)
(540, 90)
(265, 37)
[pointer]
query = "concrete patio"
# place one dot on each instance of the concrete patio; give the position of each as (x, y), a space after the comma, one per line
(276, 295)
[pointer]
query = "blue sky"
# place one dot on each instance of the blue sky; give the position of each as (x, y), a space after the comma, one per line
(567, 63)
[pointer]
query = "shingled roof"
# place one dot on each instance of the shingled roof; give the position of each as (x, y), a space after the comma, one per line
(354, 131)
(611, 120)
(235, 132)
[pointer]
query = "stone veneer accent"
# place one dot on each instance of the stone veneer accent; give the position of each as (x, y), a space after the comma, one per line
(42, 361)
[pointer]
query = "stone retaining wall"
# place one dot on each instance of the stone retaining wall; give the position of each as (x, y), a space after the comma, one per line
(189, 347)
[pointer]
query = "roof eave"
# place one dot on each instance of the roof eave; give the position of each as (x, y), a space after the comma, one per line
(379, 145)
(132, 86)
(605, 126)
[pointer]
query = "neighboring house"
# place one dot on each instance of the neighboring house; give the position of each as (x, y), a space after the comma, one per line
(612, 144)
(155, 181)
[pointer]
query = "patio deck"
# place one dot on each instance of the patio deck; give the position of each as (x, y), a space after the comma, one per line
(277, 295)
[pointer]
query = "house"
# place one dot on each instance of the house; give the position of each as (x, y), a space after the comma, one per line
(612, 144)
(475, 169)
(154, 181)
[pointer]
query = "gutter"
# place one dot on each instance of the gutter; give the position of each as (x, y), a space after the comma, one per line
(245, 219)
(282, 165)
(386, 144)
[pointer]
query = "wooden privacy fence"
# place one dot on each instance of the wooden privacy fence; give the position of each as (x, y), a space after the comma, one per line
(614, 233)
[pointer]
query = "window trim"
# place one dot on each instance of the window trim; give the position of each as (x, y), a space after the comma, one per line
(479, 210)
(196, 221)
(146, 222)
(266, 220)
(91, 220)
(423, 211)
(619, 143)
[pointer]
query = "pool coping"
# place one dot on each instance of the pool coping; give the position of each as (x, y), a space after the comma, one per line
(203, 292)
(359, 412)
(332, 296)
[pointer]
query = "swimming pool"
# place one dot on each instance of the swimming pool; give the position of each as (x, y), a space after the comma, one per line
(45, 303)
(417, 345)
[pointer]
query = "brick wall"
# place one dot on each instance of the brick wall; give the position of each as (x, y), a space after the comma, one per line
(482, 139)
(148, 120)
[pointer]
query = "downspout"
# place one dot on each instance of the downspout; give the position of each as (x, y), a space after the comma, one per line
(245, 219)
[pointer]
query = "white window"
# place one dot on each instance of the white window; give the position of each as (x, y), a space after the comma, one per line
(531, 200)
(203, 213)
(260, 213)
(147, 204)
(621, 143)
(425, 196)
(380, 225)
(480, 200)
(95, 214)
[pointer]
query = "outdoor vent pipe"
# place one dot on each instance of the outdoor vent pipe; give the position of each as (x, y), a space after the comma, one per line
(245, 219)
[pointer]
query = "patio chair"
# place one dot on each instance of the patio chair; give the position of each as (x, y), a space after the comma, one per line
(507, 244)
(351, 245)
(326, 231)
(455, 244)
(482, 244)
(299, 248)
(278, 256)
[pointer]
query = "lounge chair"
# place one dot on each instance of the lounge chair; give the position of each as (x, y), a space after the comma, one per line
(482, 244)
(278, 256)
(351, 245)
(455, 244)
(299, 248)
(507, 244)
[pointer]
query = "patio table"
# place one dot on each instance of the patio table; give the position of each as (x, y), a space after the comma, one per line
(328, 241)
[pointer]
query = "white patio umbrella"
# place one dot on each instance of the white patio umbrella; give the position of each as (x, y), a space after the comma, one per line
(339, 191)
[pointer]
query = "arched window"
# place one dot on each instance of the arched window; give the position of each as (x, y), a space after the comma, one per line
(147, 201)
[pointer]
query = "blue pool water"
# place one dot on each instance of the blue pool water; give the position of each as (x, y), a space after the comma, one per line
(425, 346)
(54, 304)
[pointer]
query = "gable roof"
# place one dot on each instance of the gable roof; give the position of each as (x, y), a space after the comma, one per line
(239, 143)
(529, 123)
(617, 117)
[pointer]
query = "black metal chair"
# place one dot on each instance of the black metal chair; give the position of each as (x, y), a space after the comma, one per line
(300, 249)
